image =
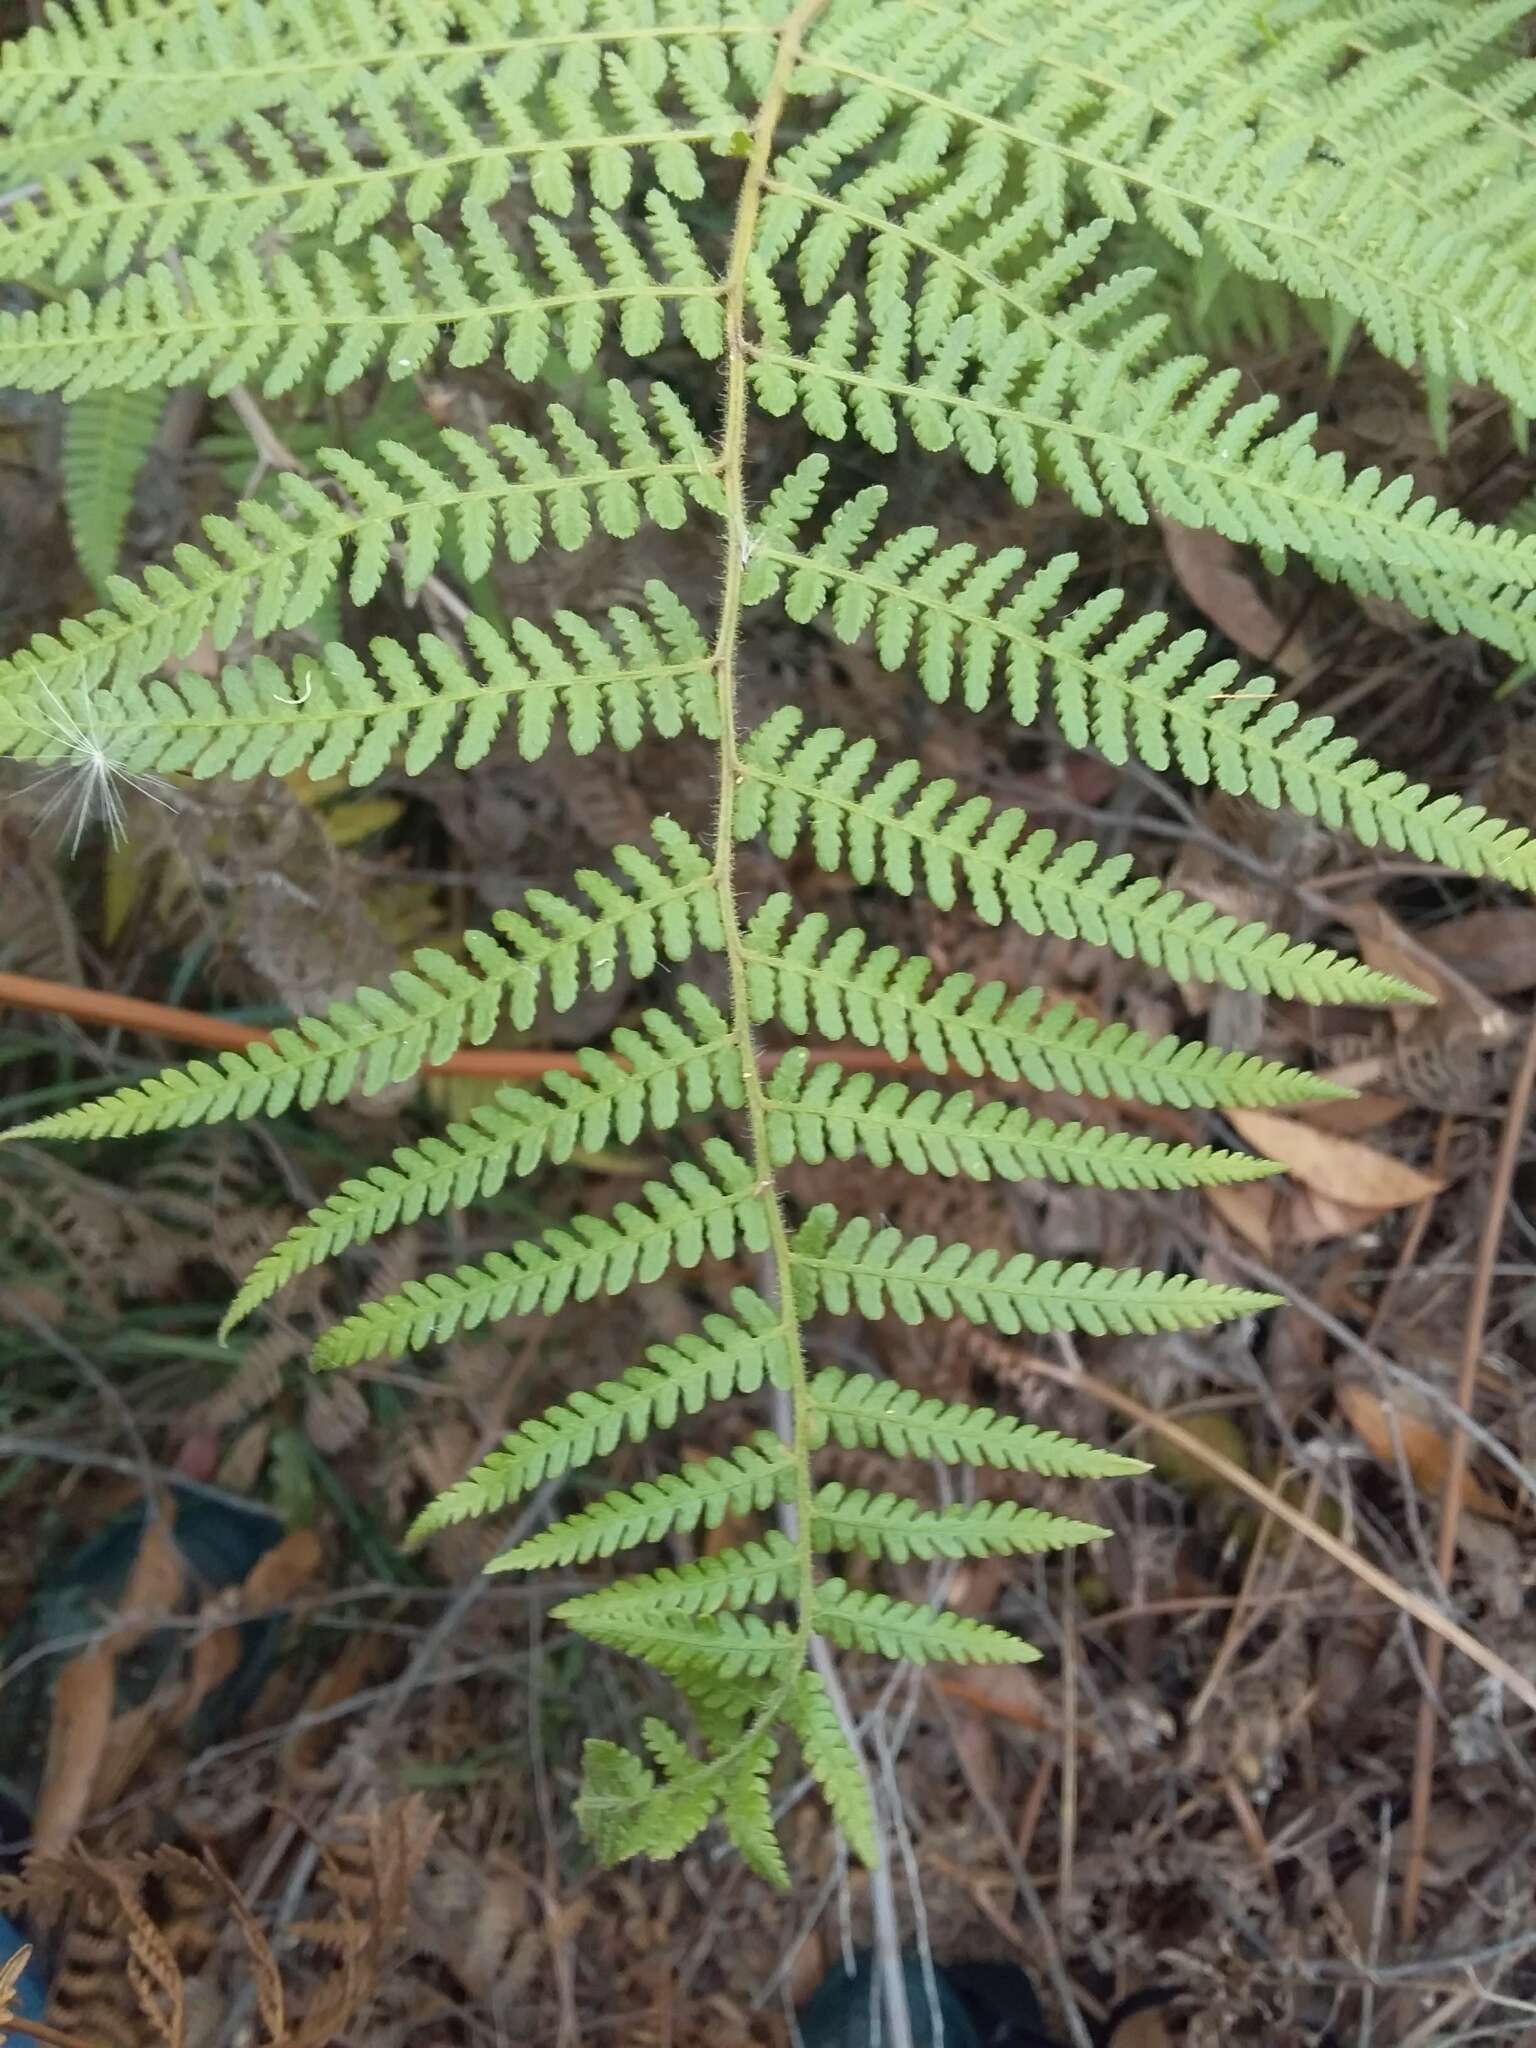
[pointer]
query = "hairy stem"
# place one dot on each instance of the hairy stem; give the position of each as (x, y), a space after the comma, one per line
(731, 773)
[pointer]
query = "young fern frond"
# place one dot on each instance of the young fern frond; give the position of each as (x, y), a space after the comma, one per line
(940, 214)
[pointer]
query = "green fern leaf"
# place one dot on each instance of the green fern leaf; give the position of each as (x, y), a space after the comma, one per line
(921, 1635)
(1133, 693)
(106, 438)
(858, 1268)
(736, 1355)
(699, 1495)
(825, 1114)
(690, 1215)
(830, 1760)
(272, 565)
(863, 1413)
(895, 1526)
(750, 1576)
(746, 1811)
(842, 987)
(732, 1645)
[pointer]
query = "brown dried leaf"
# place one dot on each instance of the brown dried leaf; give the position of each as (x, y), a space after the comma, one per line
(1210, 569)
(1145, 2029)
(1339, 1168)
(1426, 1449)
(1494, 949)
(1005, 1691)
(77, 1736)
(1249, 1212)
(264, 1970)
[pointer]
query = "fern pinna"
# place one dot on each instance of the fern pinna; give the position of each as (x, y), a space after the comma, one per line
(905, 223)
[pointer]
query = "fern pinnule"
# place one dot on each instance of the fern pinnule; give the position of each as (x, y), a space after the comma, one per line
(861, 1412)
(922, 1635)
(652, 1077)
(106, 439)
(857, 1266)
(824, 1114)
(894, 1525)
(698, 1495)
(736, 1354)
(659, 906)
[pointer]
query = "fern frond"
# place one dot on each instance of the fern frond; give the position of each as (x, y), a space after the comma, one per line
(895, 1526)
(737, 1354)
(659, 906)
(271, 565)
(697, 1495)
(685, 1218)
(272, 324)
(106, 438)
(1129, 690)
(652, 1077)
(843, 987)
(825, 1113)
(753, 1575)
(914, 835)
(921, 1635)
(832, 1763)
(650, 674)
(856, 1267)
(861, 1412)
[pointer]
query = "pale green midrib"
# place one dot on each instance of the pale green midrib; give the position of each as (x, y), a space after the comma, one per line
(395, 1314)
(283, 70)
(48, 343)
(997, 1292)
(25, 663)
(1131, 688)
(1485, 581)
(1260, 225)
(63, 221)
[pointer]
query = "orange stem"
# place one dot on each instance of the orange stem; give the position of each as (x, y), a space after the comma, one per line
(191, 1027)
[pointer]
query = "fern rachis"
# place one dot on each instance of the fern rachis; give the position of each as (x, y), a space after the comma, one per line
(928, 199)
